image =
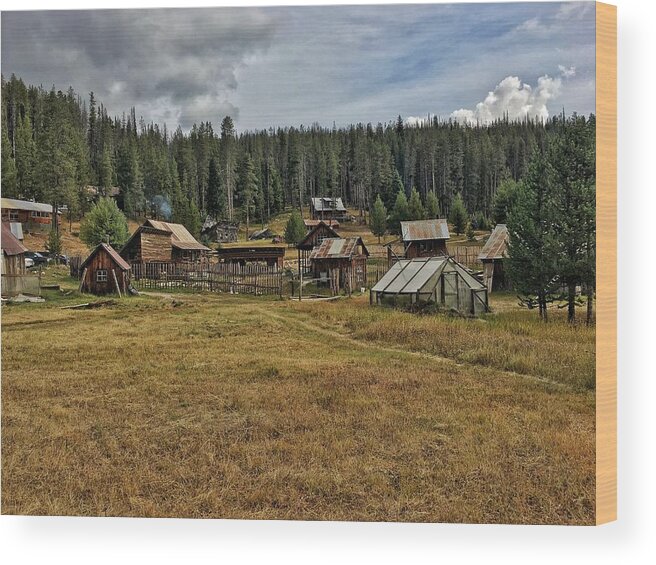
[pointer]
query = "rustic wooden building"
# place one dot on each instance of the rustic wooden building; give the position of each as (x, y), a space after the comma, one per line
(220, 231)
(314, 238)
(425, 238)
(492, 255)
(104, 271)
(341, 262)
(156, 241)
(431, 280)
(272, 256)
(323, 208)
(309, 224)
(34, 216)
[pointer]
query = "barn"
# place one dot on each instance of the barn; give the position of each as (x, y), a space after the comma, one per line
(425, 238)
(314, 238)
(327, 208)
(156, 241)
(104, 271)
(492, 255)
(34, 216)
(431, 280)
(272, 256)
(342, 262)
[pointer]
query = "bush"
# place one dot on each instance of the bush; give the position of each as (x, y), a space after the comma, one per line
(104, 223)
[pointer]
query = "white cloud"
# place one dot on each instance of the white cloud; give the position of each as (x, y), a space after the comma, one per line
(567, 72)
(513, 99)
(414, 121)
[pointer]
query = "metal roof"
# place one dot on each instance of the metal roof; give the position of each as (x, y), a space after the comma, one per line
(410, 276)
(13, 204)
(305, 242)
(122, 263)
(11, 245)
(330, 222)
(328, 204)
(496, 245)
(180, 236)
(337, 248)
(419, 230)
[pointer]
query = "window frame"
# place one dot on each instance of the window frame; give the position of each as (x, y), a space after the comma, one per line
(100, 273)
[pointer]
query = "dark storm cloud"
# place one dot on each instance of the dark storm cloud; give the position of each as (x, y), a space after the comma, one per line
(177, 66)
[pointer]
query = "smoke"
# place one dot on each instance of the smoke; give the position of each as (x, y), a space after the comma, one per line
(515, 99)
(161, 207)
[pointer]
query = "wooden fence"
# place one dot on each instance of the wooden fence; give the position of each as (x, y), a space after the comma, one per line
(466, 255)
(221, 277)
(21, 284)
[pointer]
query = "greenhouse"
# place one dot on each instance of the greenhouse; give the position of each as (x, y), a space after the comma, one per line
(431, 280)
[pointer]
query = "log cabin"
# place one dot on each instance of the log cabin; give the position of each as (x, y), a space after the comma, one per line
(104, 271)
(314, 238)
(425, 238)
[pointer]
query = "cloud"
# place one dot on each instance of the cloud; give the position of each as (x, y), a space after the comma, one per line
(513, 99)
(567, 72)
(414, 121)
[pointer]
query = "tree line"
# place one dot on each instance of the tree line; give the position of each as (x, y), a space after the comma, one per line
(55, 143)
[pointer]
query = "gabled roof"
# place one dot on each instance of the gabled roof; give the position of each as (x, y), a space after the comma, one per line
(13, 204)
(338, 248)
(10, 244)
(305, 243)
(311, 223)
(180, 236)
(496, 245)
(120, 262)
(328, 204)
(420, 230)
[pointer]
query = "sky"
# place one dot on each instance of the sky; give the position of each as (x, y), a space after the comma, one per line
(287, 66)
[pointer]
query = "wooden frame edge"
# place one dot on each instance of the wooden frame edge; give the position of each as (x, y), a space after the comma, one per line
(606, 344)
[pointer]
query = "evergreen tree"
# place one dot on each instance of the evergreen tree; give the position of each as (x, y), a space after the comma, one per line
(227, 142)
(295, 228)
(504, 200)
(54, 243)
(247, 188)
(415, 207)
(432, 206)
(400, 212)
(25, 158)
(215, 198)
(104, 223)
(471, 235)
(378, 219)
(458, 215)
(9, 175)
(106, 173)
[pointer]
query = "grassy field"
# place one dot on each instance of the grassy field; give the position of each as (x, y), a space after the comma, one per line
(243, 407)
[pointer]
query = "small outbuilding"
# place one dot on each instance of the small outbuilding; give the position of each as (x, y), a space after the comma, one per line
(15, 278)
(341, 262)
(328, 208)
(492, 255)
(104, 271)
(272, 256)
(425, 238)
(220, 231)
(431, 280)
(314, 238)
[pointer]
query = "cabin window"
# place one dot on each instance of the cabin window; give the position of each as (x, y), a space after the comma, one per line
(13, 215)
(37, 214)
(101, 275)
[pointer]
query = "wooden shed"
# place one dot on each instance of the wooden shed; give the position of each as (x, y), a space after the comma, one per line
(156, 241)
(492, 255)
(104, 271)
(220, 231)
(15, 278)
(341, 262)
(314, 238)
(272, 256)
(328, 208)
(425, 238)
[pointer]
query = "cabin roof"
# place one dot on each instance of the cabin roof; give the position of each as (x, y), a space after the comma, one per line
(180, 236)
(328, 204)
(338, 248)
(305, 243)
(10, 243)
(13, 204)
(496, 245)
(120, 262)
(330, 222)
(421, 230)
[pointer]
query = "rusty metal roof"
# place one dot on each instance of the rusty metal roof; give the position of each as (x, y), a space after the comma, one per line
(335, 248)
(180, 236)
(420, 230)
(328, 204)
(496, 245)
(10, 244)
(122, 263)
(305, 242)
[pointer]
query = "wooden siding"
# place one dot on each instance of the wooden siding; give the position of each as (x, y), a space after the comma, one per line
(103, 261)
(148, 246)
(427, 248)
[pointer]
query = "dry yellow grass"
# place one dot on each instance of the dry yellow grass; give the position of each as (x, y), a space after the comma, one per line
(236, 407)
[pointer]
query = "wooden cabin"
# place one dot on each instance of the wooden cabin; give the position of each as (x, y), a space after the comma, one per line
(15, 278)
(34, 216)
(272, 256)
(309, 224)
(156, 241)
(104, 271)
(425, 238)
(492, 255)
(323, 208)
(220, 231)
(341, 262)
(314, 238)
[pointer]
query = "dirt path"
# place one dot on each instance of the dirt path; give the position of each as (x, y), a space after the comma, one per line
(362, 344)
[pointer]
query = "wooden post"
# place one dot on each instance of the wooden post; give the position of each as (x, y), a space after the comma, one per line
(118, 288)
(84, 274)
(300, 285)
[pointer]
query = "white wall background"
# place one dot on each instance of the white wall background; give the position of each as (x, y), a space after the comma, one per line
(630, 539)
